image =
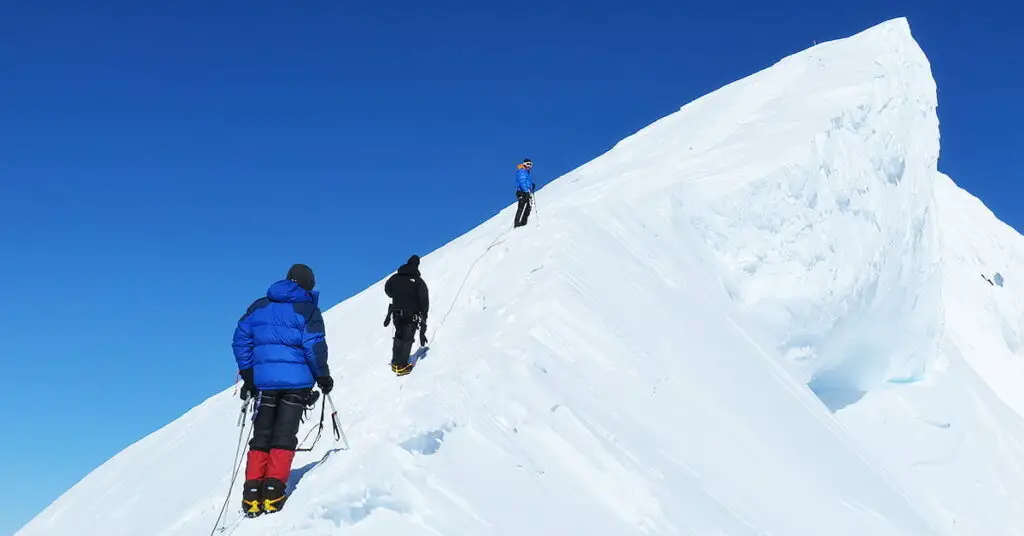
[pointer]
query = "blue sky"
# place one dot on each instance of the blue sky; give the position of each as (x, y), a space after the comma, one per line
(163, 162)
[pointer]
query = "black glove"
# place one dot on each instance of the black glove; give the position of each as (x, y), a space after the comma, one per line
(248, 385)
(423, 335)
(326, 384)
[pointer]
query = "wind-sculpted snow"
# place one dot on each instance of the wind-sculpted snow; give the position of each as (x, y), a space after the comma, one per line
(766, 313)
(834, 249)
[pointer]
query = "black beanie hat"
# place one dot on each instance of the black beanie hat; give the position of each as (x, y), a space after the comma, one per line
(303, 275)
(414, 260)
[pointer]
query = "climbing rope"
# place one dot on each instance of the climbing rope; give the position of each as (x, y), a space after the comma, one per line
(238, 461)
(497, 240)
(339, 433)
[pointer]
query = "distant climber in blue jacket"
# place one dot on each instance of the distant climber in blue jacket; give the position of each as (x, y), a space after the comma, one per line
(281, 352)
(524, 191)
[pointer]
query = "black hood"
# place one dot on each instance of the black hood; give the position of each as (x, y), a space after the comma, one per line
(411, 267)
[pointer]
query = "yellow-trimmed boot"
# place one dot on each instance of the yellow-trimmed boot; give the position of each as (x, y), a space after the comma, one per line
(401, 371)
(273, 495)
(252, 498)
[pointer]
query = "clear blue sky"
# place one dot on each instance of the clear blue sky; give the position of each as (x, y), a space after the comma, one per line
(162, 162)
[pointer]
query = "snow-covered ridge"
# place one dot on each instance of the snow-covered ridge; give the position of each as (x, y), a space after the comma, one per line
(743, 320)
(982, 276)
(820, 221)
(834, 248)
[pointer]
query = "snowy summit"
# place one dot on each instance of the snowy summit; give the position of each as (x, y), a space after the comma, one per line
(766, 313)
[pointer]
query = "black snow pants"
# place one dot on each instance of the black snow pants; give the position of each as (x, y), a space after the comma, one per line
(278, 419)
(405, 335)
(523, 211)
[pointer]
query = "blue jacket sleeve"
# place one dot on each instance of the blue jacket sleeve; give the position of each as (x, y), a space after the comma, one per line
(241, 343)
(314, 344)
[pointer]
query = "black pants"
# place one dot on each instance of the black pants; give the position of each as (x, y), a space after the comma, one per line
(523, 212)
(405, 335)
(278, 419)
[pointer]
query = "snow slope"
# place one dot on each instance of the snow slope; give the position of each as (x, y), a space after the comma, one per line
(762, 314)
(985, 326)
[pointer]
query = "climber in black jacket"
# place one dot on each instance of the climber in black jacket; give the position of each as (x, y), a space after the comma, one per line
(410, 303)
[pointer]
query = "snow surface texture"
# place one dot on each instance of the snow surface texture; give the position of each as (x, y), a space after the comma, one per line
(767, 313)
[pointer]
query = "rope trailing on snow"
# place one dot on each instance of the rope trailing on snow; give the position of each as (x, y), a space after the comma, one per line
(497, 240)
(238, 460)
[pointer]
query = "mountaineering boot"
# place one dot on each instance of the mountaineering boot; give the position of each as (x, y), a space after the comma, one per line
(273, 495)
(401, 371)
(278, 470)
(252, 500)
(255, 469)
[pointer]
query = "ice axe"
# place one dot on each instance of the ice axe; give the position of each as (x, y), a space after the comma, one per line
(533, 201)
(245, 410)
(339, 432)
(241, 414)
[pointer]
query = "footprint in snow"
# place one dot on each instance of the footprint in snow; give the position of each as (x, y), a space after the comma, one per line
(356, 508)
(426, 443)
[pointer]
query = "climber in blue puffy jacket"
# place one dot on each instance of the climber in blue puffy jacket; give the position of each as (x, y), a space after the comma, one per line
(280, 347)
(281, 338)
(524, 191)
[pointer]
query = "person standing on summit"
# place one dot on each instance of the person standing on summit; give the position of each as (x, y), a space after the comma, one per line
(410, 303)
(524, 191)
(281, 350)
